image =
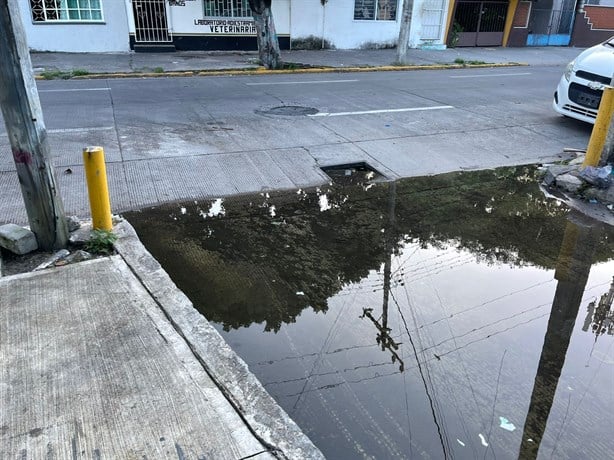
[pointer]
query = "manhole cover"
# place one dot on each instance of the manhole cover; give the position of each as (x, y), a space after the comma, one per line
(290, 110)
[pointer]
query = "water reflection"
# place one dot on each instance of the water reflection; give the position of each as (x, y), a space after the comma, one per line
(437, 292)
(572, 271)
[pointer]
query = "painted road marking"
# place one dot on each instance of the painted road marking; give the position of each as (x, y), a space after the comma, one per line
(492, 75)
(368, 112)
(313, 82)
(71, 89)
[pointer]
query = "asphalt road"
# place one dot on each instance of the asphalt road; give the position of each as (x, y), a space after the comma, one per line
(175, 138)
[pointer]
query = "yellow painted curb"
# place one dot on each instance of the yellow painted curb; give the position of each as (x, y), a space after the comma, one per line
(263, 71)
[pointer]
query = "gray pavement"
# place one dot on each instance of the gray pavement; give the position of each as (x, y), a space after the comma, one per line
(202, 138)
(108, 359)
(202, 60)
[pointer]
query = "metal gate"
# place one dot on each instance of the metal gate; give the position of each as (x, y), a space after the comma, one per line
(551, 26)
(479, 23)
(150, 21)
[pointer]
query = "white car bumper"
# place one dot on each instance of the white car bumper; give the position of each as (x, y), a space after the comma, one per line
(581, 103)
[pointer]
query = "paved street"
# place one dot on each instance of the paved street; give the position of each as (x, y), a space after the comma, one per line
(202, 137)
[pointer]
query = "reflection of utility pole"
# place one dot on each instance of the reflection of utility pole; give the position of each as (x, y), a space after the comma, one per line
(383, 337)
(572, 272)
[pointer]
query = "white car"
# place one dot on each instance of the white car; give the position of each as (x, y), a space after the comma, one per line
(579, 91)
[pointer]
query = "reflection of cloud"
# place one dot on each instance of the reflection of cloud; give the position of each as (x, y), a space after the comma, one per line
(324, 206)
(216, 209)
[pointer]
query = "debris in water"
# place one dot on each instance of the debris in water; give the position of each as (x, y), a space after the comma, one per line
(183, 210)
(272, 211)
(483, 439)
(300, 293)
(506, 425)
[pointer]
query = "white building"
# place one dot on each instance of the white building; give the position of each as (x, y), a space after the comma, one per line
(76, 25)
(121, 25)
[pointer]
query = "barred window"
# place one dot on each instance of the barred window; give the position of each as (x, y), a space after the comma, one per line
(228, 8)
(66, 10)
(380, 10)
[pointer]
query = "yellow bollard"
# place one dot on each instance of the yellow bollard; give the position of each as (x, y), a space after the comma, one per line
(600, 130)
(96, 176)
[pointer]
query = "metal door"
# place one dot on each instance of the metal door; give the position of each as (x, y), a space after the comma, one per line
(479, 23)
(551, 23)
(151, 25)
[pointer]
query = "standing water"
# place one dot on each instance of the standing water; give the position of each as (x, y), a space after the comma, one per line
(456, 316)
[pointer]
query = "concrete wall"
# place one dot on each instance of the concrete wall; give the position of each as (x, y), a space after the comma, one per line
(592, 26)
(428, 24)
(335, 22)
(108, 36)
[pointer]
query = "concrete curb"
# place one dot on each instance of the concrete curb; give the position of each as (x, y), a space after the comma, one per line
(266, 419)
(262, 71)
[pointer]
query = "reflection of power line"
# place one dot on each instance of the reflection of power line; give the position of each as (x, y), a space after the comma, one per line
(344, 382)
(354, 347)
(420, 370)
(438, 358)
(483, 304)
(476, 329)
(309, 355)
(327, 374)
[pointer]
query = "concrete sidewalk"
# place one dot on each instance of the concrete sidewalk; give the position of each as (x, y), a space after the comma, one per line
(108, 359)
(202, 60)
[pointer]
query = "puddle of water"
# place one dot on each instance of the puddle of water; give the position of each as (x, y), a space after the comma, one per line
(454, 316)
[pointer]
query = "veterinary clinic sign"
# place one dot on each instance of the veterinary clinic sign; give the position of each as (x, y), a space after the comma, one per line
(227, 26)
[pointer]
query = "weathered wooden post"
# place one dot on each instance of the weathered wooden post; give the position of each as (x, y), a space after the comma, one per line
(23, 118)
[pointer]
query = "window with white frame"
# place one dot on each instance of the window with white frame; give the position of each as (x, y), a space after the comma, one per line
(228, 8)
(379, 10)
(66, 10)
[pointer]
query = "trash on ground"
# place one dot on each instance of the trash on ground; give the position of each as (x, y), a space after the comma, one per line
(483, 439)
(52, 260)
(599, 177)
(506, 425)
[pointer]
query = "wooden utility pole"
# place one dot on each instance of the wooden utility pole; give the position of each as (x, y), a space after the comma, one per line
(23, 118)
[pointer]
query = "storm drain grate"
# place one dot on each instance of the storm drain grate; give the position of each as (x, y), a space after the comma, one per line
(353, 173)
